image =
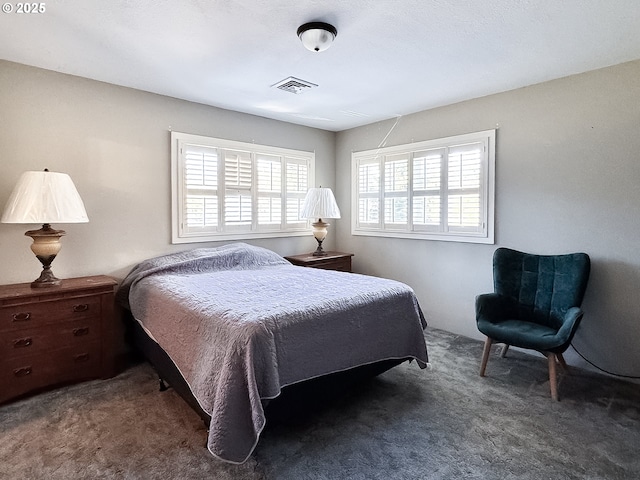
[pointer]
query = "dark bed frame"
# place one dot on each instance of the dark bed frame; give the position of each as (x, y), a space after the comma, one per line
(294, 401)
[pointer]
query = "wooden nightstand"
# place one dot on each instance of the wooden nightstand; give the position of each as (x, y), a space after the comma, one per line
(56, 335)
(331, 261)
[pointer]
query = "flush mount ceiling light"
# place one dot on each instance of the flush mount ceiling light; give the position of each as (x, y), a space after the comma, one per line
(317, 36)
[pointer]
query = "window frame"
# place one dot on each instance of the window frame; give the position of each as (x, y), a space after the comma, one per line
(423, 231)
(221, 231)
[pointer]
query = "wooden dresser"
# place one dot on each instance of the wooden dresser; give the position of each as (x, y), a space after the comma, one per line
(331, 261)
(55, 335)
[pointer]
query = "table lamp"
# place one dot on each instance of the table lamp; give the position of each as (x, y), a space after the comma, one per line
(320, 203)
(45, 197)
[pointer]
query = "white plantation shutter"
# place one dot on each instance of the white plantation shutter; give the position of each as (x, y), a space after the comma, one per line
(396, 189)
(439, 189)
(231, 190)
(369, 189)
(238, 180)
(297, 184)
(269, 173)
(426, 182)
(201, 187)
(464, 199)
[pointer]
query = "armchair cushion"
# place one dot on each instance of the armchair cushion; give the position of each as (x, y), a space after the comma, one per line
(531, 335)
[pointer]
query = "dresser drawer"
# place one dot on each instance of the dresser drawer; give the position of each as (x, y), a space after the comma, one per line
(21, 375)
(23, 316)
(35, 340)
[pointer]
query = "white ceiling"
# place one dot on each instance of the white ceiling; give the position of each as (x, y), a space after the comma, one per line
(390, 58)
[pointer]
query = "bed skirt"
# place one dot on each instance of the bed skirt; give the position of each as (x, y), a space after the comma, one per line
(293, 402)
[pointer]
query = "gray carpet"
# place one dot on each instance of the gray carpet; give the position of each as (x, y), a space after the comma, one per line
(442, 423)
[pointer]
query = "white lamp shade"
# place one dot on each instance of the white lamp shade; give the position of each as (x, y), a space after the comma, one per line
(44, 197)
(320, 203)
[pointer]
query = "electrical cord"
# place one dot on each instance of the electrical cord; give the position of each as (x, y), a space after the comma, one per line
(600, 368)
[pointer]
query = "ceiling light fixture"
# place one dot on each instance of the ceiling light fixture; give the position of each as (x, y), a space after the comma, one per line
(317, 36)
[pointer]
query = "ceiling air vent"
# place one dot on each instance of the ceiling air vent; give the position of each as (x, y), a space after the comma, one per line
(294, 85)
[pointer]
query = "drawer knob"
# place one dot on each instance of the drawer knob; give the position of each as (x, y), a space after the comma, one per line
(78, 332)
(83, 357)
(21, 317)
(22, 342)
(82, 307)
(22, 372)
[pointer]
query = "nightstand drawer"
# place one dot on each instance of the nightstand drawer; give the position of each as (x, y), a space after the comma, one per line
(23, 374)
(331, 261)
(339, 264)
(31, 341)
(26, 315)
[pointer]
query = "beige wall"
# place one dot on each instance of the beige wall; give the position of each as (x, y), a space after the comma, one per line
(114, 143)
(567, 179)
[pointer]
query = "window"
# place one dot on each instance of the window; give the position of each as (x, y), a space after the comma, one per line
(224, 190)
(439, 189)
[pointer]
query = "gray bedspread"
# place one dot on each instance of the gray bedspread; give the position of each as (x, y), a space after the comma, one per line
(240, 323)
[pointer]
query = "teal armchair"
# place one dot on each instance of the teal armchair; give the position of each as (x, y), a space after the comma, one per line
(535, 305)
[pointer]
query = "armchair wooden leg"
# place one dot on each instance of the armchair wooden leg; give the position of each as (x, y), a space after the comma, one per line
(485, 355)
(553, 385)
(562, 362)
(505, 349)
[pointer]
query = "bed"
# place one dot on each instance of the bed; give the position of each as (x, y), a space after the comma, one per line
(240, 324)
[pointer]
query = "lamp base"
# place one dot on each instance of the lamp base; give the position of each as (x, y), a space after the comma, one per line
(46, 278)
(319, 251)
(319, 233)
(46, 245)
